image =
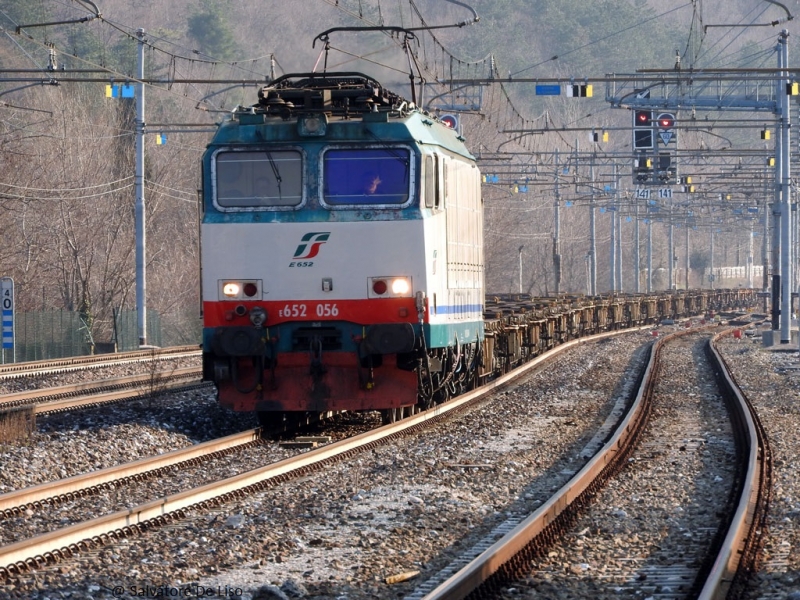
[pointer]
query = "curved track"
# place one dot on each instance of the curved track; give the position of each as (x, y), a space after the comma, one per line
(54, 546)
(508, 558)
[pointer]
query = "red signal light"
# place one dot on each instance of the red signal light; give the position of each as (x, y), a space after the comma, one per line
(642, 118)
(250, 289)
(642, 129)
(450, 121)
(666, 121)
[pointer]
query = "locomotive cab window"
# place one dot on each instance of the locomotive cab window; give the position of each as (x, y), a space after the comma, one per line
(371, 176)
(259, 179)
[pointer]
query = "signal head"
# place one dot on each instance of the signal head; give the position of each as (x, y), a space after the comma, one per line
(450, 121)
(642, 118)
(666, 121)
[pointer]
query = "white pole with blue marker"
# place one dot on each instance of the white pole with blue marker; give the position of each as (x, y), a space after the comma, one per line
(7, 299)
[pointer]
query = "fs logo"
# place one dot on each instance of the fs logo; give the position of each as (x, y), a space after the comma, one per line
(310, 244)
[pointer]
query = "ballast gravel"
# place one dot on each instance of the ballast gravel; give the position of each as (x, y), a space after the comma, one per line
(410, 506)
(407, 508)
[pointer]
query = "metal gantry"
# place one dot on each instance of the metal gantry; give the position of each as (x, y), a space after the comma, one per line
(741, 173)
(592, 179)
(725, 90)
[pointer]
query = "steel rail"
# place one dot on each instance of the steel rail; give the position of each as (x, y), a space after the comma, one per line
(491, 561)
(60, 365)
(15, 502)
(130, 394)
(503, 554)
(49, 547)
(737, 554)
(97, 392)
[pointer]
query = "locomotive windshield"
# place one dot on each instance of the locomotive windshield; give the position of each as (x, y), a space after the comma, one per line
(366, 176)
(259, 179)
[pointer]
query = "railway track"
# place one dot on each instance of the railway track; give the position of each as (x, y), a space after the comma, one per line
(49, 505)
(53, 547)
(76, 363)
(702, 564)
(95, 393)
(770, 380)
(63, 490)
(57, 545)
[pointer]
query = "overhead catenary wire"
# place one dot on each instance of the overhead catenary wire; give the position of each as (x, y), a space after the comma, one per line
(365, 59)
(214, 63)
(57, 190)
(161, 186)
(57, 195)
(738, 34)
(602, 39)
(130, 32)
(118, 75)
(154, 189)
(505, 109)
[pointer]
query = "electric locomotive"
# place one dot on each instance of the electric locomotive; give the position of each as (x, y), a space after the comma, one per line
(342, 253)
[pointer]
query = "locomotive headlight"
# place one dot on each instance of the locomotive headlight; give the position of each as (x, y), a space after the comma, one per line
(389, 287)
(231, 289)
(247, 289)
(401, 286)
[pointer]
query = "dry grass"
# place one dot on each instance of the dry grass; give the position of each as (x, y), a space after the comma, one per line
(17, 423)
(156, 384)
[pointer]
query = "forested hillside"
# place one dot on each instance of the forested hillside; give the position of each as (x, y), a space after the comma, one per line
(66, 150)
